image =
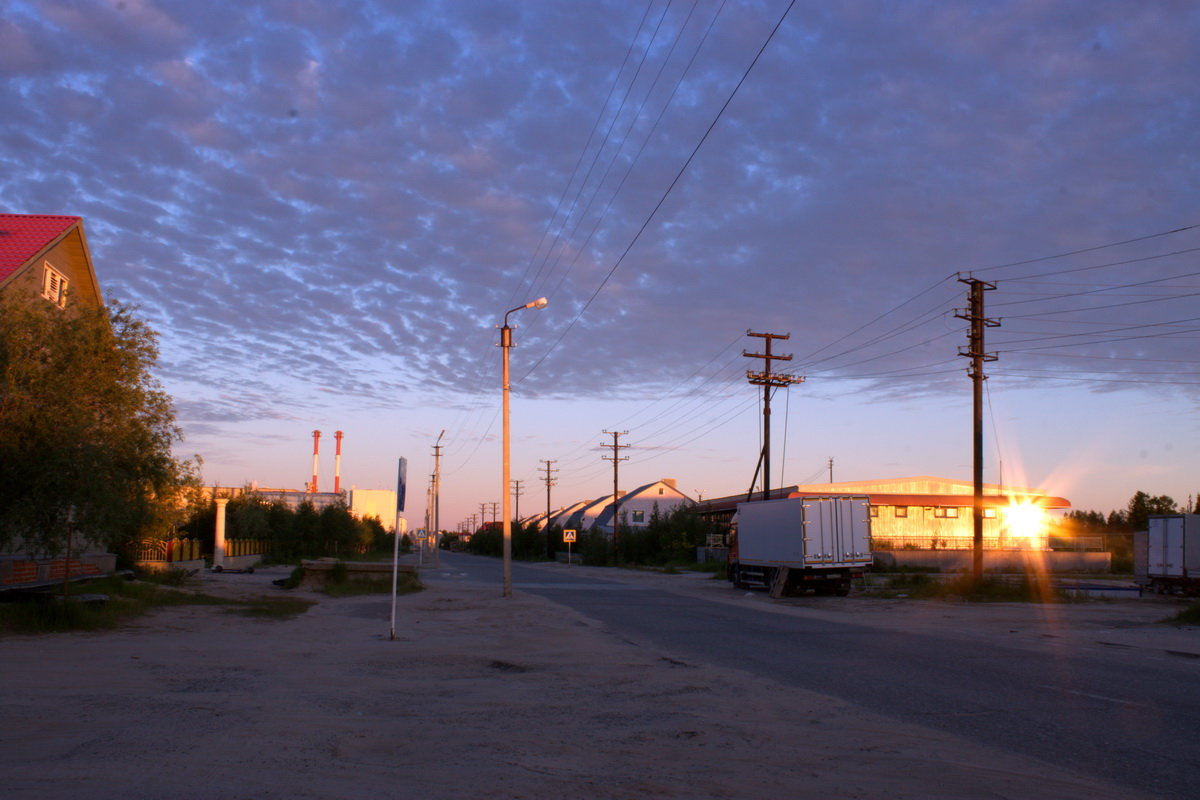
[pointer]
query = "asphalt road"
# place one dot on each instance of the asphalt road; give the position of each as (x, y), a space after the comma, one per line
(1128, 716)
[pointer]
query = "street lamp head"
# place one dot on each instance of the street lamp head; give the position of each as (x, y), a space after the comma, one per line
(541, 302)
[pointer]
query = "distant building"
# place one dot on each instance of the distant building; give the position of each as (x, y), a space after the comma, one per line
(362, 503)
(45, 258)
(379, 503)
(930, 513)
(636, 508)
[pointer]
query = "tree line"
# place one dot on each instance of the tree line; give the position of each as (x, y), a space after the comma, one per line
(292, 533)
(1129, 519)
(669, 538)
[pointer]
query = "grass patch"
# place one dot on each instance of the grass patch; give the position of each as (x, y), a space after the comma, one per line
(715, 567)
(990, 590)
(278, 608)
(126, 600)
(1189, 616)
(880, 567)
(168, 577)
(921, 586)
(407, 583)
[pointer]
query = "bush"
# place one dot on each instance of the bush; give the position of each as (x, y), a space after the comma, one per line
(293, 580)
(1189, 616)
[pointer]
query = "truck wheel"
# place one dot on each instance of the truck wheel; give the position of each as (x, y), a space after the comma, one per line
(842, 588)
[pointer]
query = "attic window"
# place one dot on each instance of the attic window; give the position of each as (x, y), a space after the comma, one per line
(54, 285)
(661, 490)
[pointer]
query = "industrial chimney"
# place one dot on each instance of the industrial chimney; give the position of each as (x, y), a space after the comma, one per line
(337, 464)
(316, 449)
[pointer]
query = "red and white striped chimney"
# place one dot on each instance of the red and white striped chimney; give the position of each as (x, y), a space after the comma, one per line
(337, 464)
(316, 449)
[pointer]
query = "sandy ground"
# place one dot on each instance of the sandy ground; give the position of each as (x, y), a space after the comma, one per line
(482, 698)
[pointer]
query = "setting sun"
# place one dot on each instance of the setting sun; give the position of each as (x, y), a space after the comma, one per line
(1025, 520)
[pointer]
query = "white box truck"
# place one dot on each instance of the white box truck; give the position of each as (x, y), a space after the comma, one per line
(1170, 561)
(793, 544)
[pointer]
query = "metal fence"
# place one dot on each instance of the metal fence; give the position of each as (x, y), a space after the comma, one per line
(944, 543)
(167, 550)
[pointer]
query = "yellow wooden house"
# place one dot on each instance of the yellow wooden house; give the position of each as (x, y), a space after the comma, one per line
(45, 258)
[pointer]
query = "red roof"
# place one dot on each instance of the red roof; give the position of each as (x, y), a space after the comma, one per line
(23, 236)
(959, 500)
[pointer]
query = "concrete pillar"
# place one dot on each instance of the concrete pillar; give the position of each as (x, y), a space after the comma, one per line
(219, 544)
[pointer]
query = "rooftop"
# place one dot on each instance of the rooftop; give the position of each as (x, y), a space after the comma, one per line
(23, 236)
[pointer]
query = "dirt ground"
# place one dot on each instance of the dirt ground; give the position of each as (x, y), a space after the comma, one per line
(481, 697)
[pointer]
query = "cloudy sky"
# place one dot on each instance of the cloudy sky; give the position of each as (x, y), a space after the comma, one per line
(325, 208)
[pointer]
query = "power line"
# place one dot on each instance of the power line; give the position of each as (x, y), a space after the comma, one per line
(678, 175)
(1084, 250)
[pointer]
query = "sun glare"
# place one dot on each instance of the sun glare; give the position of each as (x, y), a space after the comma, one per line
(1025, 520)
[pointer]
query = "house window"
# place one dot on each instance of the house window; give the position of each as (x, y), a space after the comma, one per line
(54, 285)
(989, 513)
(637, 516)
(945, 513)
(662, 490)
(874, 511)
(901, 511)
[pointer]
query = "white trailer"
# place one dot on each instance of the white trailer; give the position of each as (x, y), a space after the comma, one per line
(1170, 562)
(793, 544)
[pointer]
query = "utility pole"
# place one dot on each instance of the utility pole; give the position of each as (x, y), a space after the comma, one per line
(437, 481)
(429, 503)
(516, 490)
(768, 380)
(548, 476)
(495, 511)
(482, 515)
(616, 458)
(831, 469)
(976, 352)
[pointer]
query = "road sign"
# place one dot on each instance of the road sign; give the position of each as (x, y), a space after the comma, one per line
(569, 535)
(401, 483)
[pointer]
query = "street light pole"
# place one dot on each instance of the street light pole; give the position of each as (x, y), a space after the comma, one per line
(505, 346)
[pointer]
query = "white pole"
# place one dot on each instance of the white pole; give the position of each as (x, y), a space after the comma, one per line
(505, 344)
(219, 543)
(395, 575)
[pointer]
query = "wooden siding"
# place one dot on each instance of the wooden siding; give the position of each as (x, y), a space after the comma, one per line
(70, 257)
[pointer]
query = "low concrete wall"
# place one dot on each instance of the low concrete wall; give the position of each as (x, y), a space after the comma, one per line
(999, 560)
(239, 562)
(316, 573)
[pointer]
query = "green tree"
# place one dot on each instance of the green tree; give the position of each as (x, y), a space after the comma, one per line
(339, 530)
(1142, 505)
(85, 430)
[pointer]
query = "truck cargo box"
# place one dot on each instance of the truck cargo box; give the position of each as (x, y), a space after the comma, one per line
(794, 544)
(805, 532)
(1172, 553)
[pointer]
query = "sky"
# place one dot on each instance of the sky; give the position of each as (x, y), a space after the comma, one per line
(326, 208)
